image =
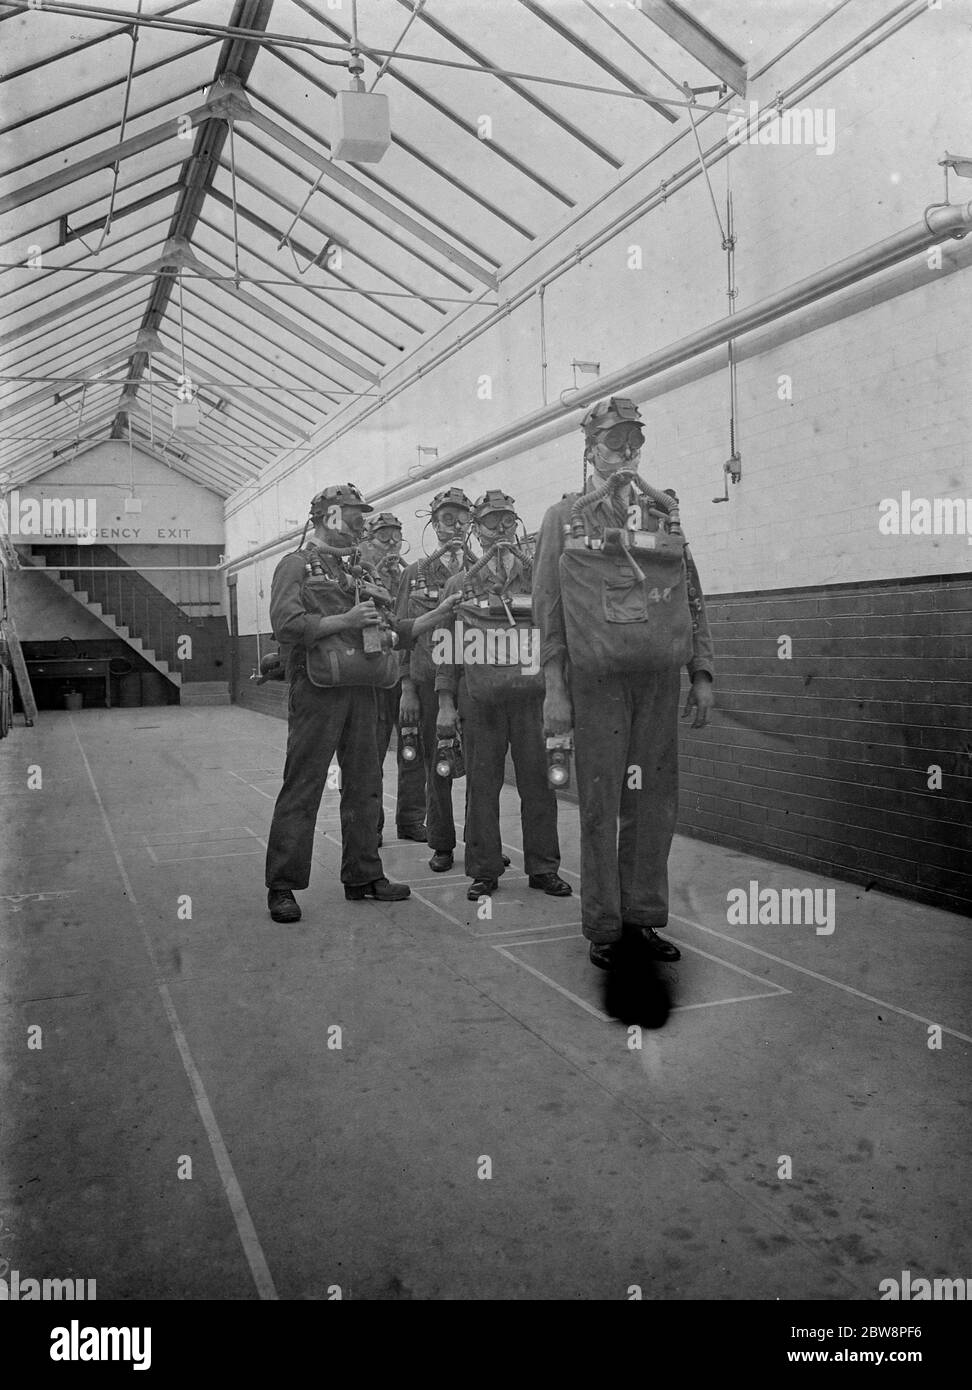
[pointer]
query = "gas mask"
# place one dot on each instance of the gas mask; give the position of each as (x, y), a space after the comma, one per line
(451, 524)
(616, 448)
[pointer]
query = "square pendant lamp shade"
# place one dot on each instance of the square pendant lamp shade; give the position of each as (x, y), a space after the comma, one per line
(362, 127)
(185, 415)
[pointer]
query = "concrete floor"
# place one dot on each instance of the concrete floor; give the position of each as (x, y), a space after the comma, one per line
(462, 1040)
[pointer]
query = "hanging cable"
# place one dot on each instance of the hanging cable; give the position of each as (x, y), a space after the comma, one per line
(702, 165)
(236, 230)
(184, 378)
(151, 382)
(106, 229)
(419, 5)
(131, 457)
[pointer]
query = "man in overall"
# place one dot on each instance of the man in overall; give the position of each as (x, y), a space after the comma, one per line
(624, 720)
(422, 586)
(381, 548)
(510, 721)
(313, 601)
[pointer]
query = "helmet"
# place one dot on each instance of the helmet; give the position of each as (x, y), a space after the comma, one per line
(379, 520)
(495, 500)
(617, 410)
(337, 495)
(451, 497)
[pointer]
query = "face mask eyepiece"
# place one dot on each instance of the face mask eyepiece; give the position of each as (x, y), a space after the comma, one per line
(620, 437)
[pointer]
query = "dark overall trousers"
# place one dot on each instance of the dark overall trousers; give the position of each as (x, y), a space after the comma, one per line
(488, 730)
(410, 805)
(625, 732)
(320, 723)
(440, 822)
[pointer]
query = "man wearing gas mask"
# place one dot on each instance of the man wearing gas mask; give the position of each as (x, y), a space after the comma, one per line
(381, 548)
(494, 686)
(338, 621)
(422, 587)
(619, 605)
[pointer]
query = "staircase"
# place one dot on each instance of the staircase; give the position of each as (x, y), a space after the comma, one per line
(131, 607)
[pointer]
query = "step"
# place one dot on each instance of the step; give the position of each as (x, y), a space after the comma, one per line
(95, 608)
(204, 693)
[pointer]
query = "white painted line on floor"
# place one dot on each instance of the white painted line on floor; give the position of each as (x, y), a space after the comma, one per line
(825, 979)
(739, 999)
(568, 994)
(506, 950)
(231, 1187)
(252, 787)
(440, 910)
(199, 858)
(215, 834)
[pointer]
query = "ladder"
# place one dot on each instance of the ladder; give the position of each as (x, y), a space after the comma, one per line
(20, 670)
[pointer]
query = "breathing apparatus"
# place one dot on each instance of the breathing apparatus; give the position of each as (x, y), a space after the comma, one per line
(381, 546)
(327, 507)
(454, 537)
(617, 425)
(495, 540)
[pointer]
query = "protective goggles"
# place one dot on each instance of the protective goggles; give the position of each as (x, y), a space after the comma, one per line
(387, 536)
(497, 521)
(619, 437)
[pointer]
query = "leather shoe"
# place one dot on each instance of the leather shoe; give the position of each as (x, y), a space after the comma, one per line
(382, 889)
(605, 954)
(283, 905)
(413, 832)
(481, 888)
(648, 940)
(441, 861)
(552, 884)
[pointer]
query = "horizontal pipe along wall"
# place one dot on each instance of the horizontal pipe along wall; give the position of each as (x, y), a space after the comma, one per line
(854, 401)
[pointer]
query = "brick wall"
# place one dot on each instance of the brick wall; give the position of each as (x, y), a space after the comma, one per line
(823, 760)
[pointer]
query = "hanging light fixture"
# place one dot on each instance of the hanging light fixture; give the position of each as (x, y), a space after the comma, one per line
(185, 410)
(362, 122)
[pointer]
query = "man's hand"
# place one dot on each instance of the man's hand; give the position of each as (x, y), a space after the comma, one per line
(361, 615)
(447, 718)
(447, 606)
(701, 698)
(409, 710)
(558, 717)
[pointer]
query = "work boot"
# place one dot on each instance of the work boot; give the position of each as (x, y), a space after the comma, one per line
(412, 832)
(481, 888)
(381, 889)
(605, 954)
(653, 945)
(441, 861)
(283, 905)
(552, 884)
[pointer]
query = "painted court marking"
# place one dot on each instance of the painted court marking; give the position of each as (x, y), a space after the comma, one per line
(231, 1187)
(825, 979)
(506, 949)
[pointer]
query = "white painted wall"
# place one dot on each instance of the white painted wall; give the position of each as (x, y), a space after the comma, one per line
(171, 502)
(881, 398)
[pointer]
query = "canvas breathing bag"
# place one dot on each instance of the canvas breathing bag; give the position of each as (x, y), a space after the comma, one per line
(496, 658)
(626, 610)
(340, 659)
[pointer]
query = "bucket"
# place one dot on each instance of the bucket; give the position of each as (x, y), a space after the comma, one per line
(130, 690)
(155, 688)
(73, 699)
